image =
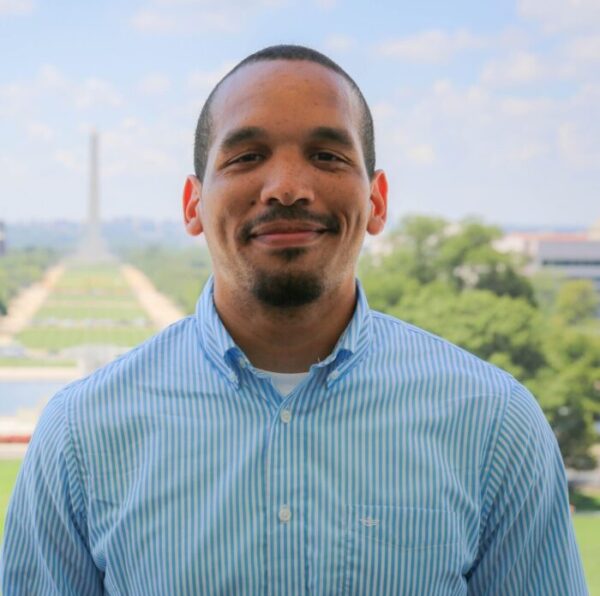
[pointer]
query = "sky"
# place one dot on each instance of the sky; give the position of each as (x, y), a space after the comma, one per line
(487, 109)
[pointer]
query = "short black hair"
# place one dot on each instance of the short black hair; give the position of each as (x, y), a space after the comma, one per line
(203, 136)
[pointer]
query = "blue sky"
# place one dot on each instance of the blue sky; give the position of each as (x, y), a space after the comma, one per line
(488, 109)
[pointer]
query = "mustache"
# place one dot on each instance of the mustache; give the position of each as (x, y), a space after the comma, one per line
(293, 213)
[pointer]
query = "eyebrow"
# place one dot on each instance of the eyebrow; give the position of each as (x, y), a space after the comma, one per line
(241, 135)
(320, 133)
(337, 135)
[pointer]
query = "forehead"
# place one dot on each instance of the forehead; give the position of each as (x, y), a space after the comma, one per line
(278, 93)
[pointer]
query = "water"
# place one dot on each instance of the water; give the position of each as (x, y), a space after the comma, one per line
(15, 395)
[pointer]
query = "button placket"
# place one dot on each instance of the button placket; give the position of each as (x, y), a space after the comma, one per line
(285, 530)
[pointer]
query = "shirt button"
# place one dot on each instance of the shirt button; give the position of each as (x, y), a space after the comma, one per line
(285, 514)
(285, 416)
(334, 375)
(242, 362)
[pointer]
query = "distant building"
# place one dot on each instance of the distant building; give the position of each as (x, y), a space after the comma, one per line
(528, 243)
(2, 238)
(575, 254)
(576, 260)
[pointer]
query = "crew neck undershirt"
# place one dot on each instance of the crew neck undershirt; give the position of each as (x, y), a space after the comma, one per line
(285, 383)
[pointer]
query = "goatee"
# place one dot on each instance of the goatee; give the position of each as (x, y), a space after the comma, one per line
(287, 290)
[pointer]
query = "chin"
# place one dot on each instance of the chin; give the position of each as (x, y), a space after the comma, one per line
(287, 289)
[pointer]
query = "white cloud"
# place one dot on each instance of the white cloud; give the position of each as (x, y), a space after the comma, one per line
(339, 43)
(473, 130)
(453, 149)
(434, 46)
(152, 21)
(579, 145)
(521, 107)
(188, 16)
(422, 154)
(201, 82)
(519, 68)
(96, 92)
(326, 4)
(154, 84)
(133, 147)
(16, 7)
(574, 59)
(68, 159)
(560, 15)
(11, 167)
(527, 151)
(584, 49)
(383, 111)
(51, 77)
(50, 86)
(39, 131)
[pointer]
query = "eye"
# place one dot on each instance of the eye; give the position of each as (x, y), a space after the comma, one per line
(247, 158)
(326, 156)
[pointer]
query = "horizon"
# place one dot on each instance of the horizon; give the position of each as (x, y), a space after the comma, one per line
(507, 227)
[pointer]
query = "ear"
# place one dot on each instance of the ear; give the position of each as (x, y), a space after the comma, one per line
(378, 199)
(191, 206)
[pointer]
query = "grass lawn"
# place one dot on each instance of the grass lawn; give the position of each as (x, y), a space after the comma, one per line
(587, 530)
(8, 475)
(58, 338)
(29, 362)
(587, 527)
(89, 305)
(89, 310)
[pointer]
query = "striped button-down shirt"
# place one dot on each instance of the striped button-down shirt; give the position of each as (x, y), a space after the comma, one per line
(400, 465)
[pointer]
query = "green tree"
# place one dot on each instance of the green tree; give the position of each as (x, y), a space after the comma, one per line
(577, 301)
(503, 330)
(416, 243)
(546, 285)
(450, 280)
(569, 391)
(427, 249)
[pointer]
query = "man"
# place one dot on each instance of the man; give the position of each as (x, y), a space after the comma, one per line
(286, 439)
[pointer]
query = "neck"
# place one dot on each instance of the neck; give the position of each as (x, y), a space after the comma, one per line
(288, 340)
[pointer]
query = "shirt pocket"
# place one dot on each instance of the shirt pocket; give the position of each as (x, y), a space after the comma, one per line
(401, 550)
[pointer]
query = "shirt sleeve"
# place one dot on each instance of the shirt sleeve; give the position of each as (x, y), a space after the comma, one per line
(527, 542)
(45, 548)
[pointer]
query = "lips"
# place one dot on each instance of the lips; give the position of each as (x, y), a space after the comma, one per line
(287, 227)
(280, 234)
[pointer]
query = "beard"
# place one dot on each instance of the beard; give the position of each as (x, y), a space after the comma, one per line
(286, 289)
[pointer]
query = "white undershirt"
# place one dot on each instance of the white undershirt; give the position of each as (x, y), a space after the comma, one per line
(285, 383)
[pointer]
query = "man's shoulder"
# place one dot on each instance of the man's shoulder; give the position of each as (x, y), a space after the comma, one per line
(421, 353)
(127, 372)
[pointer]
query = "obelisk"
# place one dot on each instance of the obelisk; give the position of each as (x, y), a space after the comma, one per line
(94, 196)
(93, 248)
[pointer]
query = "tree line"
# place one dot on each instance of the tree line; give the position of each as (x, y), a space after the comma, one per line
(20, 268)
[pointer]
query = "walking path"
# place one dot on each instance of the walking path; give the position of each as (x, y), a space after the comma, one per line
(23, 307)
(161, 310)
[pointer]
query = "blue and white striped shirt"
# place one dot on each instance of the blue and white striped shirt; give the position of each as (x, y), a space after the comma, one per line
(400, 465)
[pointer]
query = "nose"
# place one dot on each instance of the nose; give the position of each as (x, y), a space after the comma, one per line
(287, 181)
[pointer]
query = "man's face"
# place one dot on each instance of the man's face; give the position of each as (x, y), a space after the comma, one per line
(286, 199)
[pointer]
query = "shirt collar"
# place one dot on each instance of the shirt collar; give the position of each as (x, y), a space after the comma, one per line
(227, 357)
